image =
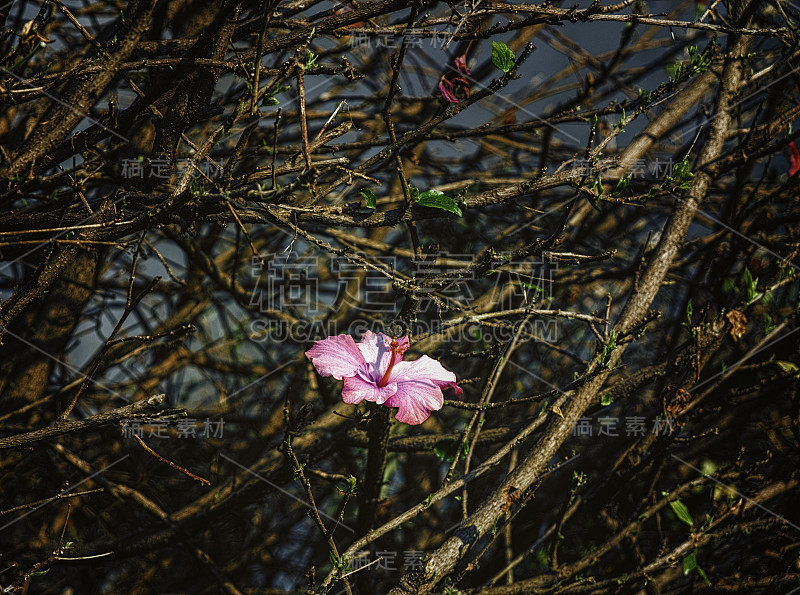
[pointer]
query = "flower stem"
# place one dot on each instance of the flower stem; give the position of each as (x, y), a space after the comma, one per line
(378, 432)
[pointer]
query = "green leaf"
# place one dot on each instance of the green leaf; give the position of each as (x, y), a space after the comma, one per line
(597, 186)
(653, 192)
(369, 198)
(437, 200)
(351, 483)
(606, 399)
(703, 576)
(681, 511)
(622, 184)
(502, 57)
(269, 99)
(341, 564)
(787, 367)
(690, 563)
(751, 285)
(311, 60)
(674, 71)
(608, 348)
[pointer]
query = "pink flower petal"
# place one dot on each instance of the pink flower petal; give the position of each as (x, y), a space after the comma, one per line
(419, 388)
(376, 352)
(371, 348)
(446, 89)
(461, 64)
(794, 160)
(424, 368)
(361, 387)
(336, 356)
(415, 399)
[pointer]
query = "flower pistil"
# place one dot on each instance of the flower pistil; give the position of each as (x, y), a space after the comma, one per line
(396, 350)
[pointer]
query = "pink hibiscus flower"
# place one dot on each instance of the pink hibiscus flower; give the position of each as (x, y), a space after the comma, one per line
(374, 370)
(449, 86)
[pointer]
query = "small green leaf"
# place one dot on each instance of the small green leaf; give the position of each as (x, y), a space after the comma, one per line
(787, 367)
(681, 511)
(311, 60)
(622, 184)
(351, 483)
(751, 285)
(502, 57)
(341, 564)
(674, 71)
(369, 198)
(703, 576)
(606, 399)
(690, 563)
(437, 200)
